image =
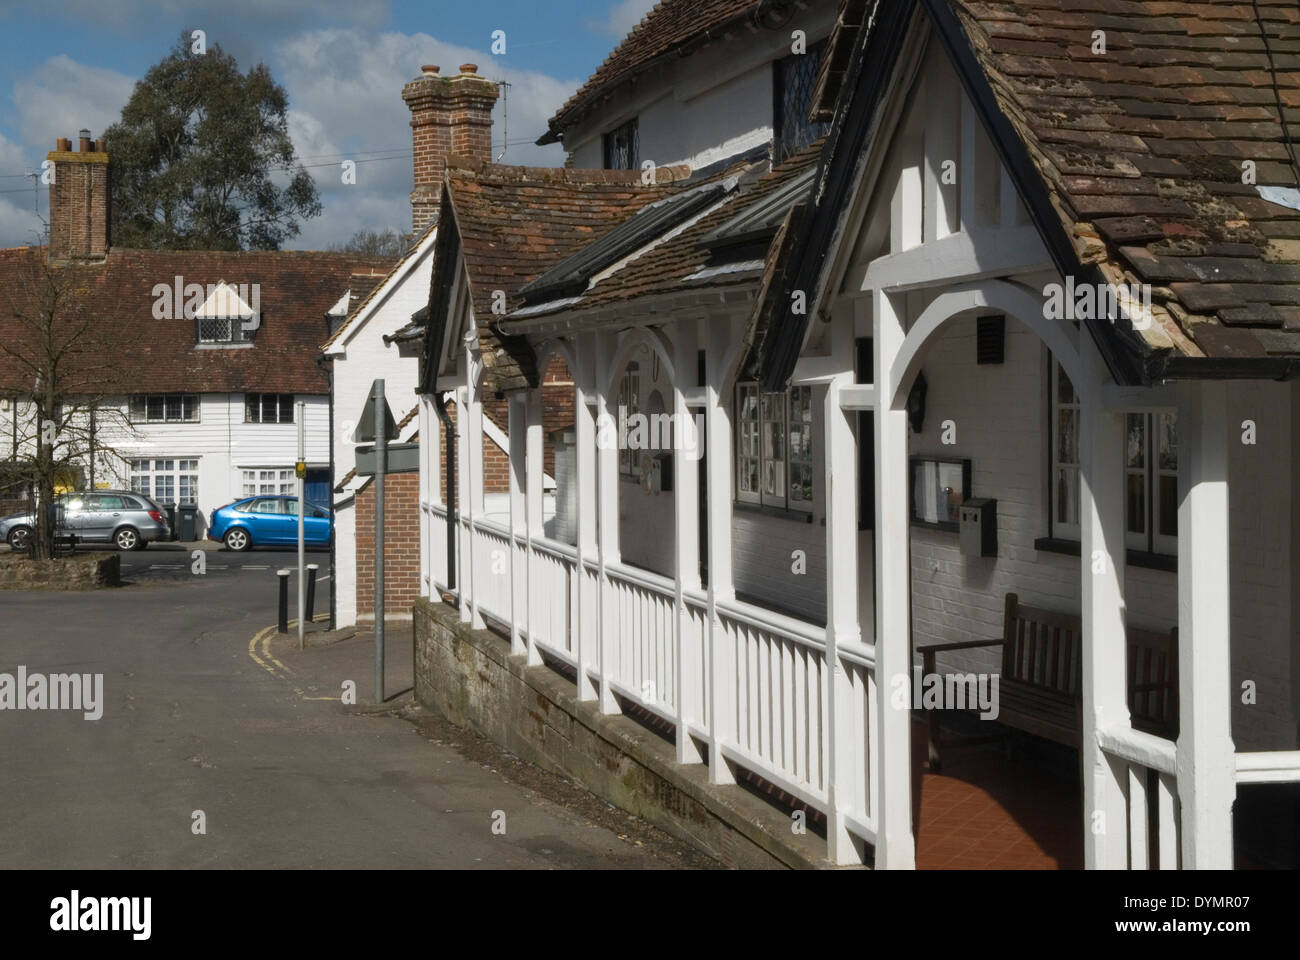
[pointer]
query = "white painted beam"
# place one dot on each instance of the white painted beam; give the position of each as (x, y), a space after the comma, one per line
(686, 545)
(973, 254)
(517, 413)
(718, 482)
(535, 462)
(587, 628)
(895, 845)
(1206, 760)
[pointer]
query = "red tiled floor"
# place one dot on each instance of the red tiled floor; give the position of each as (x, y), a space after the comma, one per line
(986, 812)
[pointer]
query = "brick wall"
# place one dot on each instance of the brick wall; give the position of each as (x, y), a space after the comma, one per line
(401, 545)
(79, 200)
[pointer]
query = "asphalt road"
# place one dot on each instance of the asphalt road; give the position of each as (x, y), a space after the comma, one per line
(285, 776)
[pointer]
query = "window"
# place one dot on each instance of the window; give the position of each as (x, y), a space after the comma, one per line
(273, 481)
(220, 330)
(793, 82)
(774, 447)
(622, 147)
(268, 408)
(1150, 473)
(165, 408)
(167, 481)
(629, 393)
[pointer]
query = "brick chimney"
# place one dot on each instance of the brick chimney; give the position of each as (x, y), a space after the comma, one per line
(79, 199)
(450, 116)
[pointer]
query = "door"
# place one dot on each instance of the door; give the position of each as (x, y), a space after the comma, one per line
(74, 510)
(102, 514)
(271, 524)
(317, 486)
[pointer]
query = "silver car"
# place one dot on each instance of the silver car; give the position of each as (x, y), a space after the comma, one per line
(124, 518)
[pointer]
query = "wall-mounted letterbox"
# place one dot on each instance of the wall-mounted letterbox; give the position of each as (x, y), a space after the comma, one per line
(978, 523)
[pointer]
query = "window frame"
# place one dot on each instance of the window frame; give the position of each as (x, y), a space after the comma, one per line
(805, 132)
(176, 474)
(608, 143)
(276, 478)
(280, 402)
(138, 407)
(748, 445)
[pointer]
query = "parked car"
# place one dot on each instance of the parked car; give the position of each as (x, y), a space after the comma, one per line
(269, 521)
(127, 519)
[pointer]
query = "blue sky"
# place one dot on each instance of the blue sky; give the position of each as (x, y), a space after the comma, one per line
(73, 64)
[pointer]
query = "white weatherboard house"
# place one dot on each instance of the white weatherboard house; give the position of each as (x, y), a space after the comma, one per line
(939, 432)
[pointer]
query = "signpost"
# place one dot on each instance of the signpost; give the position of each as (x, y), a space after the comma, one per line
(300, 468)
(376, 425)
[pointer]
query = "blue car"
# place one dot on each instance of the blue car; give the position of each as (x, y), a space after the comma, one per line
(268, 521)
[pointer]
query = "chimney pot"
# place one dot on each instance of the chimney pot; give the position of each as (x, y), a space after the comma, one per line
(85, 141)
(99, 145)
(429, 69)
(469, 68)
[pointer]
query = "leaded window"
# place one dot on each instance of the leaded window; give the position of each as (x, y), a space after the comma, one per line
(794, 80)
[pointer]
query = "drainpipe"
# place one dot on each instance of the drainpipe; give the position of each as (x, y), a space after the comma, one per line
(449, 458)
(327, 365)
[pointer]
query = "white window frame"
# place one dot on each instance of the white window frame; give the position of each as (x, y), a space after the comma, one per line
(150, 476)
(1141, 463)
(140, 402)
(267, 481)
(753, 441)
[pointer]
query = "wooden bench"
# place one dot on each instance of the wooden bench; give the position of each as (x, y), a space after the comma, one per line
(1040, 685)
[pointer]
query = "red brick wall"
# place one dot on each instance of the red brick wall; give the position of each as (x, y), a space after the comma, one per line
(79, 201)
(450, 116)
(401, 545)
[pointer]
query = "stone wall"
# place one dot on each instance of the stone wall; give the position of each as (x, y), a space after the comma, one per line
(83, 571)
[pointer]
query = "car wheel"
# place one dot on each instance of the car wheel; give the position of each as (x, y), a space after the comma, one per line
(238, 540)
(127, 538)
(20, 538)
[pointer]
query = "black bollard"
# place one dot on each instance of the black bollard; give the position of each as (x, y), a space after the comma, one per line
(284, 600)
(311, 590)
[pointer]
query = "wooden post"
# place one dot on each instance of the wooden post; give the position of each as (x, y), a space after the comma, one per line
(534, 503)
(464, 561)
(686, 544)
(516, 419)
(607, 544)
(895, 846)
(1206, 756)
(718, 480)
(588, 628)
(1102, 561)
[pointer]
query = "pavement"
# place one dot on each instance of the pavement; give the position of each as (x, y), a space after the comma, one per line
(223, 745)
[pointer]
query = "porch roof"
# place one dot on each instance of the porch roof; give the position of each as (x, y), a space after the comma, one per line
(514, 223)
(1131, 162)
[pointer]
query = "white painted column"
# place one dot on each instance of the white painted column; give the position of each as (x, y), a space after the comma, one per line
(425, 498)
(1101, 566)
(841, 614)
(895, 846)
(534, 504)
(464, 564)
(588, 627)
(686, 544)
(607, 544)
(516, 419)
(1206, 761)
(474, 468)
(718, 481)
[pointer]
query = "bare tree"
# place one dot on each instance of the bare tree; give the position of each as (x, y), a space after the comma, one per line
(60, 358)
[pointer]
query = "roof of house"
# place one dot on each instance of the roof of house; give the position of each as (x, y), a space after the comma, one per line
(295, 290)
(672, 27)
(512, 223)
(670, 262)
(1131, 163)
(365, 287)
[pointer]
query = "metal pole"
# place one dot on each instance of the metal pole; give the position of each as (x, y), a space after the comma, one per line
(302, 497)
(381, 465)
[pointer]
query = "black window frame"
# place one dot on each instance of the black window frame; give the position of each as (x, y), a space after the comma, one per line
(631, 153)
(791, 128)
(283, 405)
(140, 404)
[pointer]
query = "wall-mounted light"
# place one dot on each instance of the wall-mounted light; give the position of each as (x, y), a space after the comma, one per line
(916, 403)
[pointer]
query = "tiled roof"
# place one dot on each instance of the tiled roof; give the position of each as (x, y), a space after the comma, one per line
(296, 289)
(670, 26)
(1142, 151)
(675, 263)
(515, 222)
(363, 288)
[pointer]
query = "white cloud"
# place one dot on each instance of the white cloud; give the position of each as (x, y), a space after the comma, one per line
(19, 222)
(625, 15)
(63, 96)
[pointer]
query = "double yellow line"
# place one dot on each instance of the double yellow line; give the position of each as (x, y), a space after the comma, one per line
(259, 648)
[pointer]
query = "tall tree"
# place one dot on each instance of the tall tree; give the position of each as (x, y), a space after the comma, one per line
(62, 365)
(377, 243)
(202, 158)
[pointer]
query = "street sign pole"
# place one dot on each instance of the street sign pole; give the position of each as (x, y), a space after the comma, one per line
(381, 465)
(300, 468)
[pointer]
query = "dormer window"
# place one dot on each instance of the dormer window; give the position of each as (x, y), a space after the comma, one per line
(623, 148)
(793, 82)
(227, 317)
